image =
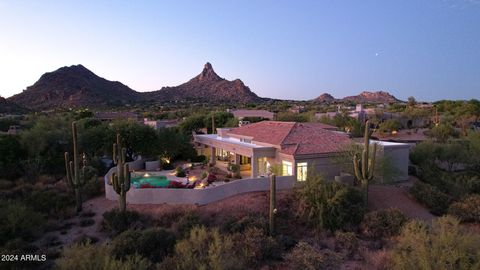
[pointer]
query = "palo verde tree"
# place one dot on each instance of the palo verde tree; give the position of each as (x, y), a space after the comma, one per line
(121, 178)
(76, 177)
(364, 166)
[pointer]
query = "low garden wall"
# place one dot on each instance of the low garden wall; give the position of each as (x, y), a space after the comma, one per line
(197, 196)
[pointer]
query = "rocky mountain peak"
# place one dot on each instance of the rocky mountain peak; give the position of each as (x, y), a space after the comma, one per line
(325, 97)
(208, 74)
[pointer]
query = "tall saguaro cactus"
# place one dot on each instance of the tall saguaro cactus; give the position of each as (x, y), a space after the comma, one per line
(76, 179)
(121, 178)
(273, 203)
(365, 165)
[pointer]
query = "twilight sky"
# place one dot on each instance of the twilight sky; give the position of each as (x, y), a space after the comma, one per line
(429, 49)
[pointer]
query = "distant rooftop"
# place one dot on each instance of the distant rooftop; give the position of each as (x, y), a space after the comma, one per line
(240, 113)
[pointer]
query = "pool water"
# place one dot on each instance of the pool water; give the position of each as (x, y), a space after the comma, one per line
(159, 181)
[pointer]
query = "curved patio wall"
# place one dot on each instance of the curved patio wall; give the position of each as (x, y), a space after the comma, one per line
(198, 196)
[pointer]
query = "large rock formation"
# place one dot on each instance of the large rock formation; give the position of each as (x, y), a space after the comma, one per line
(74, 86)
(372, 97)
(206, 87)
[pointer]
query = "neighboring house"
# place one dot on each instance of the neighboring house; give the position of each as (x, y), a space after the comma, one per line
(296, 147)
(297, 109)
(111, 116)
(157, 124)
(240, 114)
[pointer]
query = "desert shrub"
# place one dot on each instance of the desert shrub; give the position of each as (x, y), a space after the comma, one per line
(383, 223)
(88, 256)
(51, 202)
(467, 210)
(93, 188)
(18, 221)
(346, 242)
(153, 244)
(330, 205)
(199, 158)
(180, 172)
(444, 245)
(183, 226)
(431, 196)
(12, 151)
(204, 249)
(115, 222)
(255, 247)
(305, 256)
(233, 224)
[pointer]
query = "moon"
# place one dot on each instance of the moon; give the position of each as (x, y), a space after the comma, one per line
(377, 54)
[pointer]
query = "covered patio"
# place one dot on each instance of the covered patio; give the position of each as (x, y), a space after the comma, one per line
(251, 157)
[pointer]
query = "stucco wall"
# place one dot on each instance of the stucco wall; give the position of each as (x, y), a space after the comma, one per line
(324, 166)
(197, 196)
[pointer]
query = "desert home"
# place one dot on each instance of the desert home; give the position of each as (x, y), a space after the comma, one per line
(293, 146)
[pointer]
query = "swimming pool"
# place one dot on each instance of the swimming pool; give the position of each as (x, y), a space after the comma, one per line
(153, 181)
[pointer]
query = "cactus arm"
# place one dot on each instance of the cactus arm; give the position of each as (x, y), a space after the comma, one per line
(356, 167)
(372, 162)
(124, 153)
(364, 164)
(127, 177)
(68, 170)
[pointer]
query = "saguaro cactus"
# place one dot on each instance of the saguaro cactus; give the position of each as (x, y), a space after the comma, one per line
(121, 178)
(364, 167)
(273, 203)
(76, 179)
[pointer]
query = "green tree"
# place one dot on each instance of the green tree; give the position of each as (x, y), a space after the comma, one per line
(12, 152)
(46, 142)
(389, 125)
(192, 123)
(443, 132)
(411, 101)
(136, 138)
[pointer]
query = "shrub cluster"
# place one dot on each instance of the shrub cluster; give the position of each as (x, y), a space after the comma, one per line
(431, 196)
(383, 223)
(467, 210)
(306, 256)
(444, 245)
(18, 221)
(153, 244)
(330, 205)
(115, 222)
(180, 172)
(88, 256)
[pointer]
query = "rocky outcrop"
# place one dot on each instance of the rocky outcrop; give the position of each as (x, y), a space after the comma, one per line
(206, 87)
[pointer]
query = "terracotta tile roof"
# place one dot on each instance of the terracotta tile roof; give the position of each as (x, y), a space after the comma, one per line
(311, 138)
(295, 138)
(271, 132)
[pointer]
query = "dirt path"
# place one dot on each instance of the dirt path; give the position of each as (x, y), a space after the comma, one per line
(397, 196)
(71, 229)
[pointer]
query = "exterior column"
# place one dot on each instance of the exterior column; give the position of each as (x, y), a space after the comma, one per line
(213, 154)
(254, 166)
(237, 159)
